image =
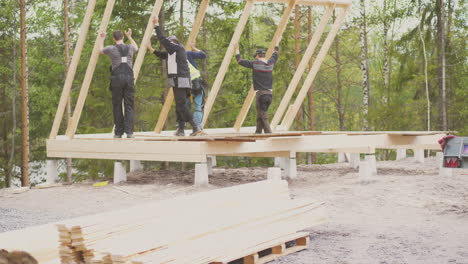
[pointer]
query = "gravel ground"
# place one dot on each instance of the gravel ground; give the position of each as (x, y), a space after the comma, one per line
(12, 218)
(406, 214)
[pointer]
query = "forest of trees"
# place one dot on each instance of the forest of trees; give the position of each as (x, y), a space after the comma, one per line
(395, 65)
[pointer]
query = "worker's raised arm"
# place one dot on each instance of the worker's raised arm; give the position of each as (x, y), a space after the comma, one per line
(170, 47)
(129, 36)
(242, 62)
(274, 57)
(196, 53)
(102, 38)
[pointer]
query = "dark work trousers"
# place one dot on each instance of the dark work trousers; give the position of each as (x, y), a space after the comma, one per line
(182, 107)
(123, 89)
(263, 100)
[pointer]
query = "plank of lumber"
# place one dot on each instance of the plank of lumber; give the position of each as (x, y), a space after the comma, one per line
(278, 34)
(260, 228)
(146, 39)
(302, 66)
(71, 129)
(227, 60)
(72, 69)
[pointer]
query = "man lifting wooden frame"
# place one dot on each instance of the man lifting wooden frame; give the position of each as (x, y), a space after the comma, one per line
(287, 121)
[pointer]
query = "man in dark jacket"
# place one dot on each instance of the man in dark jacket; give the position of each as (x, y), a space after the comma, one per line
(262, 75)
(122, 83)
(178, 77)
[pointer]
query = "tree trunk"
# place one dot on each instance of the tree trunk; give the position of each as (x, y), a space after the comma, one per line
(364, 66)
(24, 96)
(385, 71)
(10, 175)
(310, 93)
(162, 21)
(441, 36)
(181, 19)
(426, 78)
(67, 65)
(339, 84)
(297, 57)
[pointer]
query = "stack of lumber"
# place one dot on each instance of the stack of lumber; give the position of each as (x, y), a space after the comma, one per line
(213, 227)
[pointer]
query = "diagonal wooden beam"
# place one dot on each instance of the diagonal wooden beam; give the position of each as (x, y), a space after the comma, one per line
(292, 112)
(72, 69)
(302, 67)
(279, 32)
(146, 39)
(71, 130)
(192, 37)
(227, 60)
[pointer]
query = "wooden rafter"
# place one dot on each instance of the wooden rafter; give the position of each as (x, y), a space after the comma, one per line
(292, 112)
(302, 66)
(72, 69)
(146, 39)
(227, 60)
(71, 130)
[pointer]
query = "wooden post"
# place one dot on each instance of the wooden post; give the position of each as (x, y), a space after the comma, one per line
(71, 130)
(250, 97)
(227, 60)
(192, 37)
(292, 112)
(24, 97)
(146, 39)
(302, 66)
(72, 69)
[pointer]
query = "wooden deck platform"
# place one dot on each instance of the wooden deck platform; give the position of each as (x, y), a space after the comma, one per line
(226, 142)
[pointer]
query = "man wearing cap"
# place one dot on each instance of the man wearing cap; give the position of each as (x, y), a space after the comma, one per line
(262, 75)
(178, 73)
(122, 83)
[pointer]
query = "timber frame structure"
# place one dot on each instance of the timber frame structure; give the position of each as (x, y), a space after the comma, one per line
(160, 145)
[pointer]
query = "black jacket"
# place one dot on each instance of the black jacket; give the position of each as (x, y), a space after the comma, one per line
(181, 57)
(262, 72)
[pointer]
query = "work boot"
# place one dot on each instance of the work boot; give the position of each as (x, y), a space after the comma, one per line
(180, 130)
(196, 130)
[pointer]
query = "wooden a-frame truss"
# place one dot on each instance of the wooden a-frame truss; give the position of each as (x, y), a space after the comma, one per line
(281, 121)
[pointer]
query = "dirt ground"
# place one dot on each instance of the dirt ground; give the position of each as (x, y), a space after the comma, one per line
(406, 214)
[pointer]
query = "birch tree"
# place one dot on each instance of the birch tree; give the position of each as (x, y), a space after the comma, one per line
(364, 65)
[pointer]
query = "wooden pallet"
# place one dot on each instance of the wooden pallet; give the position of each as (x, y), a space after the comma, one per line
(269, 251)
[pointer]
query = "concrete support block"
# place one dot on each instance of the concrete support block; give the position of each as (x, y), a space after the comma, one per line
(274, 174)
(354, 160)
(209, 164)
(291, 168)
(52, 171)
(120, 172)
(212, 160)
(419, 155)
(201, 174)
(401, 154)
(279, 162)
(135, 165)
(443, 172)
(342, 157)
(365, 171)
(372, 163)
